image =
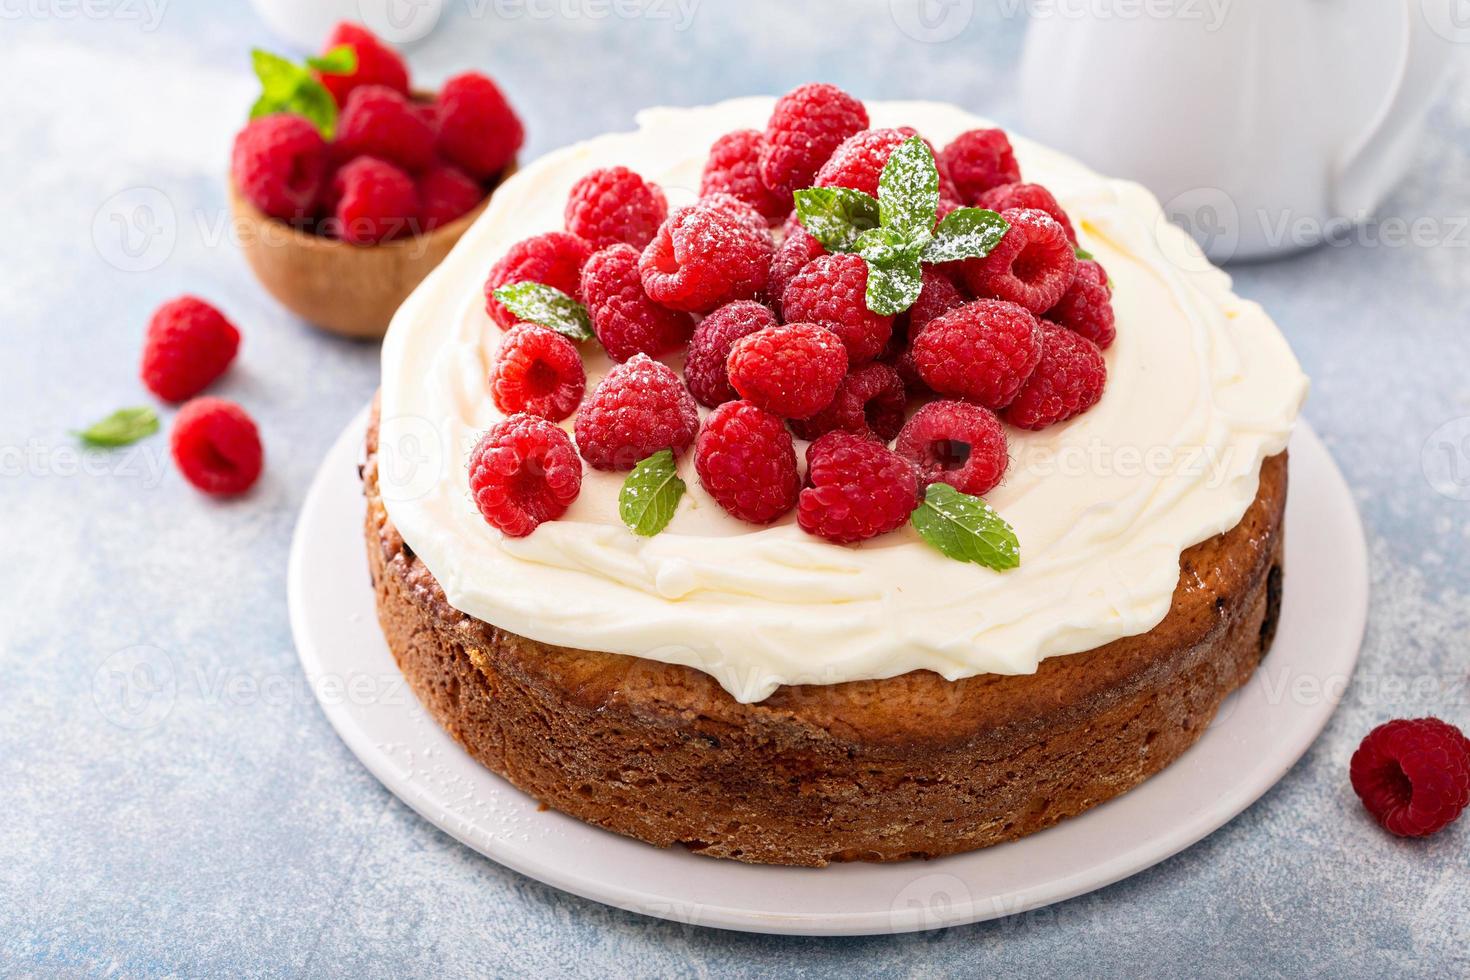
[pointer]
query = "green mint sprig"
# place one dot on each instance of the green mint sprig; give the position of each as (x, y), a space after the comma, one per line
(651, 494)
(966, 528)
(895, 233)
(288, 87)
(548, 307)
(122, 428)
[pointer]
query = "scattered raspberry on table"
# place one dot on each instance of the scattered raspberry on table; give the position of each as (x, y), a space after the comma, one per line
(1413, 775)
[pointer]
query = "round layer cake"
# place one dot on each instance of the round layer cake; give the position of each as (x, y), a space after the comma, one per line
(761, 694)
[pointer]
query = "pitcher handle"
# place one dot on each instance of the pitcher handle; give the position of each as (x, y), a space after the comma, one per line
(1375, 159)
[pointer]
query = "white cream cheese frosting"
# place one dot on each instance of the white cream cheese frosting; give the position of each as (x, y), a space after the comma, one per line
(1202, 387)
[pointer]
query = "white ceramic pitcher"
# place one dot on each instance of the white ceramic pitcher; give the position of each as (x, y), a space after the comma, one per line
(1263, 125)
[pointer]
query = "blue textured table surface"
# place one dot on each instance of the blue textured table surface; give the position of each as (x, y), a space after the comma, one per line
(173, 801)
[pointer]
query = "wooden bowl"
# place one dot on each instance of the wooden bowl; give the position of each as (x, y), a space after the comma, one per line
(352, 290)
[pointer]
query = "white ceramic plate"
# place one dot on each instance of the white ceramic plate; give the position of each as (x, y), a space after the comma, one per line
(1260, 733)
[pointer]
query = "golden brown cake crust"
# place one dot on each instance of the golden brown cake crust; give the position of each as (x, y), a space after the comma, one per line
(911, 766)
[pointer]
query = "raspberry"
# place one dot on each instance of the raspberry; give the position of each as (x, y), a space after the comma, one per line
(832, 291)
(446, 193)
(537, 371)
(639, 408)
(613, 205)
(1087, 306)
(377, 64)
(1033, 264)
(279, 164)
(795, 252)
(733, 168)
(746, 461)
(188, 344)
(1008, 196)
(791, 371)
(379, 122)
(938, 296)
(376, 201)
(957, 443)
(216, 446)
(806, 125)
(704, 367)
(624, 318)
(871, 401)
(1413, 775)
(478, 130)
(704, 256)
(1068, 380)
(982, 351)
(858, 162)
(553, 259)
(979, 160)
(857, 489)
(829, 441)
(738, 209)
(524, 471)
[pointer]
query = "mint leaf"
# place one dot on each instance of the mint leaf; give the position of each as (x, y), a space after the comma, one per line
(966, 528)
(836, 216)
(122, 428)
(895, 276)
(341, 60)
(966, 233)
(908, 188)
(650, 494)
(548, 307)
(289, 87)
(1083, 255)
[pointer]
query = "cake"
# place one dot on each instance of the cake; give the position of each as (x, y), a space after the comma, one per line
(764, 694)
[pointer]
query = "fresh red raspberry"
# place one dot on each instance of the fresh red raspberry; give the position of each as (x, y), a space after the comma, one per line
(738, 209)
(613, 205)
(639, 408)
(537, 371)
(979, 160)
(798, 249)
(216, 446)
(445, 194)
(1068, 380)
(746, 461)
(279, 164)
(791, 371)
(1032, 264)
(376, 202)
(623, 317)
(379, 122)
(938, 296)
(188, 344)
(377, 64)
(806, 125)
(478, 130)
(871, 401)
(829, 441)
(983, 352)
(957, 443)
(1413, 775)
(858, 161)
(705, 255)
(1008, 196)
(709, 348)
(1087, 306)
(553, 259)
(857, 489)
(524, 471)
(832, 291)
(733, 168)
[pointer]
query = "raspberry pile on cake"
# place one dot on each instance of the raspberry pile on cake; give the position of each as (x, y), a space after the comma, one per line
(899, 309)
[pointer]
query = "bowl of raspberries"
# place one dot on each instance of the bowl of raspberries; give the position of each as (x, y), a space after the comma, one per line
(847, 329)
(348, 186)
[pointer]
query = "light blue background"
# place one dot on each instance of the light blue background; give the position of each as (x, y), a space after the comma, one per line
(216, 823)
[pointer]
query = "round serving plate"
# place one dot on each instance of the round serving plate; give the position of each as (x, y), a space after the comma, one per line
(1260, 732)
